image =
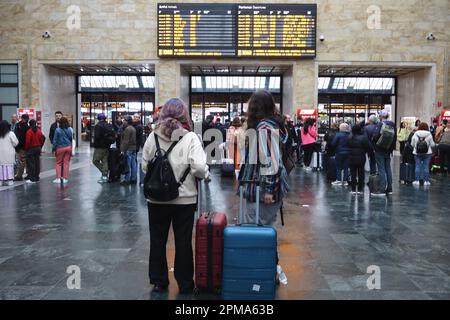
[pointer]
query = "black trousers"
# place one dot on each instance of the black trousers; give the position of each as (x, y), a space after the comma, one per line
(402, 146)
(34, 163)
(182, 218)
(308, 149)
(357, 171)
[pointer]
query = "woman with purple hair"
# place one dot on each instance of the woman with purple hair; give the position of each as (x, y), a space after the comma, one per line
(186, 157)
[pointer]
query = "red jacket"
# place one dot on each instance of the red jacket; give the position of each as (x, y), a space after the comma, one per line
(34, 139)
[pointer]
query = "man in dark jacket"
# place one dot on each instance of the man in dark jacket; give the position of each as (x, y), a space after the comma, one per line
(139, 132)
(58, 116)
(128, 148)
(103, 138)
(21, 132)
(383, 154)
(370, 130)
(359, 146)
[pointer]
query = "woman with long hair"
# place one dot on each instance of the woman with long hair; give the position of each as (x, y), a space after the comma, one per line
(62, 143)
(8, 141)
(308, 137)
(264, 119)
(187, 160)
(34, 141)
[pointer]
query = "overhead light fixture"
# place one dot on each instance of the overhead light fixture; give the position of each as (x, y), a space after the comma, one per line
(81, 69)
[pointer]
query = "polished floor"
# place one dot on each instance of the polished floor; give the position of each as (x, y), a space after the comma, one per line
(329, 240)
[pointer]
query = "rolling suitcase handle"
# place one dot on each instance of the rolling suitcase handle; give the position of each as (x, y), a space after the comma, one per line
(241, 201)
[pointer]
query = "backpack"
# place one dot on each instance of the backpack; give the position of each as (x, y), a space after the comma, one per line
(387, 137)
(445, 138)
(160, 183)
(422, 146)
(110, 135)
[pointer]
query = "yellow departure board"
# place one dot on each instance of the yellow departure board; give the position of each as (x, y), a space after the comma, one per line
(196, 30)
(237, 30)
(276, 30)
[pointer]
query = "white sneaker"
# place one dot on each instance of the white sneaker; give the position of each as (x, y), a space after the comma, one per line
(353, 192)
(416, 183)
(29, 182)
(427, 183)
(345, 184)
(336, 183)
(65, 181)
(57, 181)
(10, 183)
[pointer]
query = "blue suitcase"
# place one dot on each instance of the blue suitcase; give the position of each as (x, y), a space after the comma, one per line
(249, 259)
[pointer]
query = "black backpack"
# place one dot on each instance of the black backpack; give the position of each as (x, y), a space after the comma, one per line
(110, 135)
(422, 146)
(160, 183)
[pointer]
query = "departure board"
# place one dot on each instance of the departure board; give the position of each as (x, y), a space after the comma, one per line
(196, 30)
(272, 30)
(237, 30)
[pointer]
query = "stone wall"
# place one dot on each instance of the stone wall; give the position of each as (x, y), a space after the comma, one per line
(113, 30)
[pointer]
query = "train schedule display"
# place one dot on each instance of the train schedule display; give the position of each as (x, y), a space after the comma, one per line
(237, 30)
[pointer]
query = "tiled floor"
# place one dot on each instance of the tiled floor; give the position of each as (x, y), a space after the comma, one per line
(329, 240)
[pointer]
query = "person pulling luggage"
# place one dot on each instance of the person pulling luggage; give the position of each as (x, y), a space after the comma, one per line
(172, 145)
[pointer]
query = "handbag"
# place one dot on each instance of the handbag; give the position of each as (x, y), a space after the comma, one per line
(74, 147)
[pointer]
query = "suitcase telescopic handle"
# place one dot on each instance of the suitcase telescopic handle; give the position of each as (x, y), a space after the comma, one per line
(241, 201)
(199, 198)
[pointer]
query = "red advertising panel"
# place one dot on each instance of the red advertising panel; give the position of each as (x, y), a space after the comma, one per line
(304, 114)
(29, 112)
(445, 114)
(39, 119)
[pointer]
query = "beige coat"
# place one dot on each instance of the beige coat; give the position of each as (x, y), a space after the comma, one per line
(188, 152)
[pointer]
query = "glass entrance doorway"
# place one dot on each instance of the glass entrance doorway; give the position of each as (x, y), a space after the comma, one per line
(351, 100)
(116, 97)
(226, 97)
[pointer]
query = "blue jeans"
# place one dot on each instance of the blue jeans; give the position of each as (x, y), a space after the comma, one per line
(132, 166)
(423, 163)
(342, 164)
(372, 163)
(384, 170)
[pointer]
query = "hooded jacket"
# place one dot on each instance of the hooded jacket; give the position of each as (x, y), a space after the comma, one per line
(359, 146)
(187, 153)
(340, 141)
(424, 135)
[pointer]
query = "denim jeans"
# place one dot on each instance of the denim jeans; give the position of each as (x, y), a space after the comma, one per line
(384, 170)
(423, 163)
(132, 166)
(342, 164)
(372, 162)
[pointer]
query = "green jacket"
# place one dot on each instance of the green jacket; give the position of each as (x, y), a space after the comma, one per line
(128, 139)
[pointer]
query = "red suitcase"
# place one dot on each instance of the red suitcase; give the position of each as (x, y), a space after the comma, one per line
(209, 250)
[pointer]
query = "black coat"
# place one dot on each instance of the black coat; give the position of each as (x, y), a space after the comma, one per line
(359, 145)
(139, 136)
(52, 131)
(103, 132)
(21, 131)
(329, 137)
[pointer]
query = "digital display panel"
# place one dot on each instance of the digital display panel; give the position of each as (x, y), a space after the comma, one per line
(237, 30)
(196, 30)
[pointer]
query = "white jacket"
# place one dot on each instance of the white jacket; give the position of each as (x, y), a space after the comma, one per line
(188, 152)
(7, 151)
(428, 139)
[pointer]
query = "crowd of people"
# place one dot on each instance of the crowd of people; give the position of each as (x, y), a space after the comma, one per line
(346, 146)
